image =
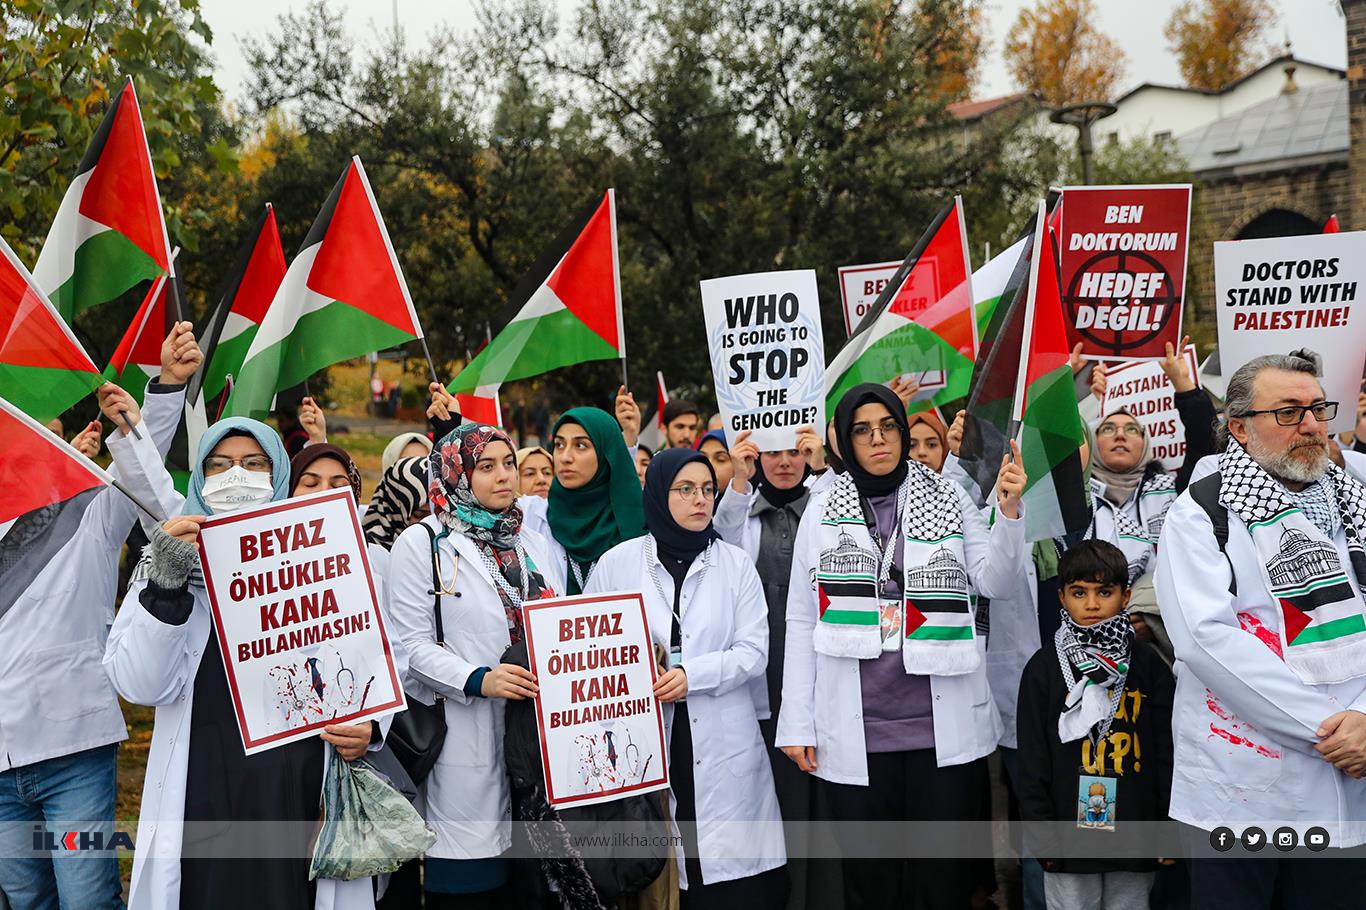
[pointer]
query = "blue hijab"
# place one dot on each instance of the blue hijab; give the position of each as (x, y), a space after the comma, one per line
(265, 437)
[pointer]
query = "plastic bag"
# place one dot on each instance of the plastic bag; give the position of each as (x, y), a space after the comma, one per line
(368, 827)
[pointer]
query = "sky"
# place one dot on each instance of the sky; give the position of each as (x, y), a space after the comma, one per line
(1314, 27)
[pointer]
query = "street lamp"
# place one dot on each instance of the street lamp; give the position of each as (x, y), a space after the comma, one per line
(1082, 115)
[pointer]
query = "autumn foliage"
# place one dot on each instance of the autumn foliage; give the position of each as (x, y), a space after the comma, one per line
(1219, 41)
(1055, 50)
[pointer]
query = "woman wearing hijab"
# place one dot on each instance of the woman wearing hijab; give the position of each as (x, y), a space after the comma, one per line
(705, 606)
(768, 493)
(594, 501)
(400, 500)
(535, 468)
(884, 688)
(929, 440)
(487, 563)
(713, 445)
(405, 445)
(163, 651)
(643, 458)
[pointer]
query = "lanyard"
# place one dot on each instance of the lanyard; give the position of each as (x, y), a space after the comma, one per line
(651, 560)
(884, 567)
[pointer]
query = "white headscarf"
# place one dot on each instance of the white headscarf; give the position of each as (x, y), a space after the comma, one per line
(397, 444)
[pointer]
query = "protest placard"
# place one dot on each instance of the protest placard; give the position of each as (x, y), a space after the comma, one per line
(1143, 391)
(767, 354)
(859, 287)
(294, 608)
(1123, 268)
(601, 728)
(1285, 293)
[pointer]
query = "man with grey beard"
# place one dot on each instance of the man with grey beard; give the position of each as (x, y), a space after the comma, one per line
(1260, 575)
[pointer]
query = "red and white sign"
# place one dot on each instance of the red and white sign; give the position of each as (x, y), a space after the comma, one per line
(294, 607)
(1143, 391)
(1123, 268)
(859, 287)
(601, 728)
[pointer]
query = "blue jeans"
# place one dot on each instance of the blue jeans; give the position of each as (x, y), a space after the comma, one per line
(70, 793)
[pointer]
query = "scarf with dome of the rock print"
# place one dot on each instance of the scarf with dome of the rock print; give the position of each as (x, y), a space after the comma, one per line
(936, 616)
(1323, 629)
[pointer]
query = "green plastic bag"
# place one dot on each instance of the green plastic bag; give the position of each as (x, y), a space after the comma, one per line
(368, 827)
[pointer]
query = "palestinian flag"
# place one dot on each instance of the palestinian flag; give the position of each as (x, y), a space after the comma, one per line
(481, 406)
(109, 233)
(257, 271)
(1023, 385)
(566, 311)
(43, 368)
(652, 434)
(138, 356)
(344, 296)
(1331, 226)
(989, 282)
(40, 472)
(921, 322)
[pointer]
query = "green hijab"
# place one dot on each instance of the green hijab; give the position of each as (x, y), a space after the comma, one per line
(602, 513)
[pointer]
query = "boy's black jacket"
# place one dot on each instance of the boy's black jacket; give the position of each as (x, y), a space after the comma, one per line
(1049, 769)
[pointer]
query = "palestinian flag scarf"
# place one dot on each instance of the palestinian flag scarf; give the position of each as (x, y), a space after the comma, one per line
(1323, 631)
(937, 618)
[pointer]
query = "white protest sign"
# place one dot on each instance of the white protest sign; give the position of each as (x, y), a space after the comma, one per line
(1285, 293)
(293, 603)
(601, 728)
(859, 287)
(767, 354)
(1142, 390)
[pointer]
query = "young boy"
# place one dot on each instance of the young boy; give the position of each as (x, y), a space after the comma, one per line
(1094, 732)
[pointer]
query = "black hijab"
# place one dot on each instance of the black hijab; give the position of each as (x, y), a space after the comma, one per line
(867, 393)
(774, 496)
(673, 540)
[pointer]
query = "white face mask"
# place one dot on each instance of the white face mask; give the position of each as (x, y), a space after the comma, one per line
(236, 488)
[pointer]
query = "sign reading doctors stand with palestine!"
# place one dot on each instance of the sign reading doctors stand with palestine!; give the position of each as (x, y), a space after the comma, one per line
(767, 354)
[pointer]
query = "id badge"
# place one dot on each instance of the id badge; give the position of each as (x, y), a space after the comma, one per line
(889, 623)
(1096, 802)
(675, 657)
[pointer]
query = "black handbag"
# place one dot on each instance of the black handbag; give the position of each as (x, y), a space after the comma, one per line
(417, 735)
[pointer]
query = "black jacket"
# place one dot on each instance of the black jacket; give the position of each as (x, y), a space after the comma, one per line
(1137, 752)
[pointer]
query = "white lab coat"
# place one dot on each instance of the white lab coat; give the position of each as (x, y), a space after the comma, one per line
(1243, 723)
(822, 699)
(468, 798)
(724, 628)
(535, 517)
(153, 663)
(54, 697)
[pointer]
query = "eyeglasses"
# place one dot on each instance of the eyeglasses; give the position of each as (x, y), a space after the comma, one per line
(690, 490)
(217, 464)
(1111, 429)
(1293, 415)
(863, 432)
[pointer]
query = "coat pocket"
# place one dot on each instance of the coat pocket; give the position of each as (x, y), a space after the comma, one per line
(69, 680)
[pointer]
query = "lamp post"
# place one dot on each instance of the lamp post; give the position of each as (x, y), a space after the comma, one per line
(1082, 115)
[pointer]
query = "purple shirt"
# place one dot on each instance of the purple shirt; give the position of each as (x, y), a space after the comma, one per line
(898, 709)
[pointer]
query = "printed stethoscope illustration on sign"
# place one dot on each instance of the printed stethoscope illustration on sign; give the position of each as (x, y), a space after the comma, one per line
(301, 694)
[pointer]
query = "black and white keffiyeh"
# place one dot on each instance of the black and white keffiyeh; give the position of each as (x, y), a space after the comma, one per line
(1323, 629)
(937, 619)
(1095, 663)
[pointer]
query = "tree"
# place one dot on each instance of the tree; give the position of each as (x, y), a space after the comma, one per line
(1056, 50)
(60, 63)
(1219, 41)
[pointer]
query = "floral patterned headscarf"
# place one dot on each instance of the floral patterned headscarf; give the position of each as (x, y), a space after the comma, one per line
(448, 485)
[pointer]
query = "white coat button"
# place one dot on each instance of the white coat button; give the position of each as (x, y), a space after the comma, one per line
(194, 653)
(857, 715)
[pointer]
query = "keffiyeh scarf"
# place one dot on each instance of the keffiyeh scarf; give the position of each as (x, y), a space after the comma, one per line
(1095, 662)
(937, 618)
(1323, 630)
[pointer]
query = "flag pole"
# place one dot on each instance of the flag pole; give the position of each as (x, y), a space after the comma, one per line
(159, 519)
(426, 352)
(623, 375)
